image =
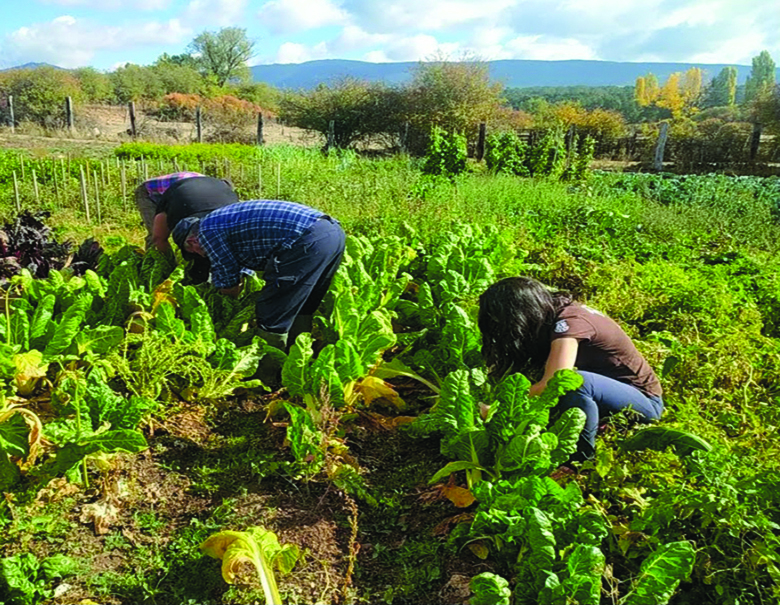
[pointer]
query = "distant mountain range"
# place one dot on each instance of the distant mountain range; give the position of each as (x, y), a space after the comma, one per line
(512, 73)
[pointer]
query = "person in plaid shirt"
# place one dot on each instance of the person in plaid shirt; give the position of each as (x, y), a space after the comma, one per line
(297, 248)
(148, 195)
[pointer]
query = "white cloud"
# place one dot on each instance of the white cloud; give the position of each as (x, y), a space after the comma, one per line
(212, 14)
(542, 48)
(70, 42)
(290, 52)
(142, 5)
(421, 16)
(285, 16)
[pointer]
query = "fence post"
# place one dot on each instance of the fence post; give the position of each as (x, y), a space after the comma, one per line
(755, 141)
(481, 141)
(69, 113)
(331, 135)
(405, 137)
(131, 109)
(198, 125)
(11, 113)
(260, 140)
(658, 161)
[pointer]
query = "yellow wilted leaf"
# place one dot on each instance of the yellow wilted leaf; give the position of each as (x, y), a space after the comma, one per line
(29, 368)
(216, 545)
(372, 388)
(459, 496)
(479, 549)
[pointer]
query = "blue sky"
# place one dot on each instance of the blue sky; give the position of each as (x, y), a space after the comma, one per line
(108, 33)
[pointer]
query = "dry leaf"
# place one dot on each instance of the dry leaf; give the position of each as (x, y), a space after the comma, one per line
(459, 496)
(479, 549)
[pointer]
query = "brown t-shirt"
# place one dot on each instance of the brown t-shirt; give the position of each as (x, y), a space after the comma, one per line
(604, 348)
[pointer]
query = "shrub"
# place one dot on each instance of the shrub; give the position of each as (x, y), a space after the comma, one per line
(39, 94)
(446, 154)
(506, 152)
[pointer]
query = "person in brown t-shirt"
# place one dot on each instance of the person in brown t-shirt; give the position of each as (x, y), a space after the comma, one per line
(524, 325)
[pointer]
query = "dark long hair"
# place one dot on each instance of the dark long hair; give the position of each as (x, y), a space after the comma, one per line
(516, 315)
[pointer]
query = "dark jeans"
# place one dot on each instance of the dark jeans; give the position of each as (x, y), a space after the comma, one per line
(600, 397)
(296, 279)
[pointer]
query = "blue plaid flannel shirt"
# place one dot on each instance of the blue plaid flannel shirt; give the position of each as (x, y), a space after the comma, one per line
(246, 234)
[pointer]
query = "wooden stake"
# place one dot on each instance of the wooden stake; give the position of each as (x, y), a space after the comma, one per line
(97, 195)
(35, 188)
(16, 194)
(56, 189)
(260, 181)
(123, 180)
(84, 193)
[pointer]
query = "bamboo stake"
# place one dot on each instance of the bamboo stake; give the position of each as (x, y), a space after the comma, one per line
(56, 189)
(16, 194)
(97, 194)
(64, 180)
(84, 193)
(123, 180)
(35, 188)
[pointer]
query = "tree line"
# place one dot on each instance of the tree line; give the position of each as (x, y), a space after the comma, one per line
(456, 96)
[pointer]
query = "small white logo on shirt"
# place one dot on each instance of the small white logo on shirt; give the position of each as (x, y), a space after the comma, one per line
(561, 326)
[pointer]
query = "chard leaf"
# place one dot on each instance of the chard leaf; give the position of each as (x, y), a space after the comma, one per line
(325, 379)
(454, 467)
(165, 320)
(509, 408)
(659, 438)
(69, 326)
(14, 438)
(374, 337)
(235, 548)
(30, 367)
(561, 383)
(567, 429)
(457, 408)
(489, 589)
(532, 449)
(349, 366)
(304, 437)
(396, 367)
(9, 472)
(295, 371)
(585, 565)
(99, 340)
(41, 322)
(660, 574)
(541, 541)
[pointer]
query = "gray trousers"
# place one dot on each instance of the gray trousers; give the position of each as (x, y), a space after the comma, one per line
(148, 209)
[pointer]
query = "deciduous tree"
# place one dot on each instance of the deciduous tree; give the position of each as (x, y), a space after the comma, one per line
(223, 54)
(761, 78)
(722, 91)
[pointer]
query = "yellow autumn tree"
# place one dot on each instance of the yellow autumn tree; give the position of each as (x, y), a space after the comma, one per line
(646, 90)
(679, 94)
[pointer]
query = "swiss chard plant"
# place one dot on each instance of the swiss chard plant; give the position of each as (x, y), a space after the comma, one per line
(259, 547)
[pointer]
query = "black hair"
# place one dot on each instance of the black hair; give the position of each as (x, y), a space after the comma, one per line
(516, 316)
